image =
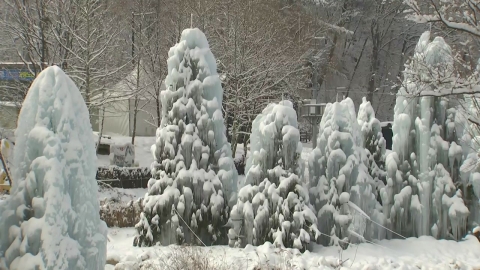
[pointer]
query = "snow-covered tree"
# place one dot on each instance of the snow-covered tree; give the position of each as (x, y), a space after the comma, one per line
(340, 184)
(470, 168)
(193, 175)
(373, 142)
(456, 14)
(274, 205)
(420, 197)
(51, 220)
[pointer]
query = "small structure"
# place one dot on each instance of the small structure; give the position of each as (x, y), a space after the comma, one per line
(15, 78)
(105, 143)
(9, 112)
(122, 155)
(16, 71)
(312, 111)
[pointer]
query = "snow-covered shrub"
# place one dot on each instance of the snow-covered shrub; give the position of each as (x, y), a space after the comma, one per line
(120, 214)
(273, 205)
(339, 178)
(470, 145)
(193, 175)
(373, 142)
(51, 220)
(420, 197)
(470, 175)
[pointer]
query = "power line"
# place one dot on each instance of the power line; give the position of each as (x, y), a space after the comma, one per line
(365, 215)
(180, 216)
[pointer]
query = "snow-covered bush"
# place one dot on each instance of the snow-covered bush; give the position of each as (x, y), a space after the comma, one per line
(339, 178)
(420, 197)
(193, 175)
(51, 220)
(274, 205)
(373, 142)
(120, 214)
(470, 145)
(470, 175)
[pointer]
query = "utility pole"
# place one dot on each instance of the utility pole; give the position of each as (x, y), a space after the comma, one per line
(133, 31)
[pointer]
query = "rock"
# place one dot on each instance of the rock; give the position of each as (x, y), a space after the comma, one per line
(113, 259)
(476, 232)
(127, 266)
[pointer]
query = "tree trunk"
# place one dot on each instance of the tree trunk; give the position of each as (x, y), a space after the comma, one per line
(100, 133)
(373, 73)
(356, 67)
(376, 39)
(135, 105)
(135, 111)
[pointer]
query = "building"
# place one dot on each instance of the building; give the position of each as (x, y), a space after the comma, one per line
(15, 78)
(119, 115)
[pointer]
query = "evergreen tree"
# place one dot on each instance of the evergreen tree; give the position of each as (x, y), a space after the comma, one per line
(339, 177)
(51, 219)
(373, 142)
(193, 175)
(273, 205)
(423, 171)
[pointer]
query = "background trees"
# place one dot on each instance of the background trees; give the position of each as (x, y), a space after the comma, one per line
(459, 19)
(266, 50)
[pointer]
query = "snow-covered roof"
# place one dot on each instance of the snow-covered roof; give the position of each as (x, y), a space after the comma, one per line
(19, 64)
(385, 124)
(9, 104)
(126, 88)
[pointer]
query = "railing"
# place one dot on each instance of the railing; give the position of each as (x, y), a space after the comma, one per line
(304, 136)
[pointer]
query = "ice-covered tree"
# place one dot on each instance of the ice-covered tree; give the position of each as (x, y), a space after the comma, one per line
(193, 175)
(373, 142)
(51, 220)
(274, 205)
(470, 168)
(470, 173)
(340, 184)
(420, 197)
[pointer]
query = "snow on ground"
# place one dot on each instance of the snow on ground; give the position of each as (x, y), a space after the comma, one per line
(121, 194)
(239, 152)
(413, 253)
(307, 149)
